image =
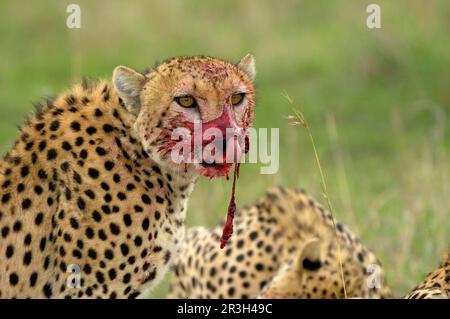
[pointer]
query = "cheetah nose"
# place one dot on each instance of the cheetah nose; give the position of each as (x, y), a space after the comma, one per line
(225, 151)
(224, 122)
(230, 144)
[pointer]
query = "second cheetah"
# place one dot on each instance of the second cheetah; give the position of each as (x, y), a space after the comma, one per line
(284, 247)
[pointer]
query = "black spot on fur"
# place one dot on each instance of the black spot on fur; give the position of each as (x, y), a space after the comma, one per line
(51, 154)
(54, 125)
(71, 100)
(75, 126)
(47, 290)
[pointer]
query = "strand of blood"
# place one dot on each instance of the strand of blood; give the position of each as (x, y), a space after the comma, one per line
(228, 228)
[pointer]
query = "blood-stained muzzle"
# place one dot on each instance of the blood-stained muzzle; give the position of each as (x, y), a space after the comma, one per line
(213, 147)
(222, 139)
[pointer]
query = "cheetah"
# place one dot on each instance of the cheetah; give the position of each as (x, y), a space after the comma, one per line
(92, 203)
(284, 247)
(436, 285)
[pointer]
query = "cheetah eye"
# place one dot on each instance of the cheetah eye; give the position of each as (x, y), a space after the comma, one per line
(186, 101)
(237, 98)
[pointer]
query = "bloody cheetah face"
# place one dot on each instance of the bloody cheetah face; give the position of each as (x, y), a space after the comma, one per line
(191, 112)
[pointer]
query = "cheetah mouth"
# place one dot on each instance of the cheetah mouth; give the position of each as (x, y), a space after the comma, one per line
(221, 163)
(214, 169)
(206, 164)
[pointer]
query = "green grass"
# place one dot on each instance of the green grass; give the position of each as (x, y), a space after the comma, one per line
(377, 101)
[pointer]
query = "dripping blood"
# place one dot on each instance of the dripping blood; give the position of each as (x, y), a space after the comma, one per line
(228, 228)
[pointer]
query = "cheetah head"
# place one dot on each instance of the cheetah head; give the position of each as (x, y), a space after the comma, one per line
(314, 272)
(191, 112)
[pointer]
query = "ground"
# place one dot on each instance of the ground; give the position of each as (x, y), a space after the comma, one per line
(377, 100)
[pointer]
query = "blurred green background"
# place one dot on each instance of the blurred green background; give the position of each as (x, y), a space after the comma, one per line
(377, 100)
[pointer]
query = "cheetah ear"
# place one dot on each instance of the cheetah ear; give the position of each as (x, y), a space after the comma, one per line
(247, 64)
(128, 84)
(309, 257)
